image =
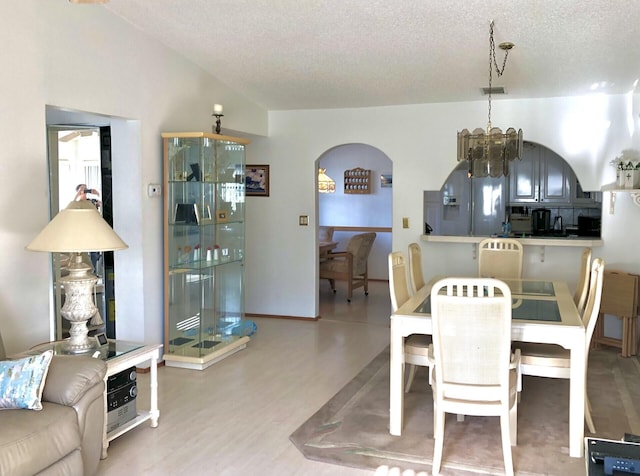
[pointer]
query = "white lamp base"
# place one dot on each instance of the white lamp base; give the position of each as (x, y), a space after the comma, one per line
(79, 307)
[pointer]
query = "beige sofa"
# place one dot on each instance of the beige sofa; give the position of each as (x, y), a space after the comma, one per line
(65, 437)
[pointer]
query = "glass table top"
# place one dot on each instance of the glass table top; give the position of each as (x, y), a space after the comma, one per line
(531, 288)
(108, 351)
(522, 308)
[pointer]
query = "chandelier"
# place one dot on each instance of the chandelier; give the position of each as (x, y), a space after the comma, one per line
(325, 183)
(489, 152)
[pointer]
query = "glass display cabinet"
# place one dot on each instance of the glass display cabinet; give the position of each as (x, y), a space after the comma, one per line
(204, 199)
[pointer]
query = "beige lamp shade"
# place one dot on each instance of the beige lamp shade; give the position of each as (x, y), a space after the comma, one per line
(79, 227)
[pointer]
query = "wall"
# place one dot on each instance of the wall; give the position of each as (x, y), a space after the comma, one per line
(366, 210)
(82, 58)
(588, 131)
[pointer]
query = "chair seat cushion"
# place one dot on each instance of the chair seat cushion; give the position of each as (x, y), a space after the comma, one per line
(417, 344)
(49, 434)
(548, 355)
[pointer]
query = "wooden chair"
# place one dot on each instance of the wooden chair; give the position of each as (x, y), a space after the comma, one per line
(582, 289)
(475, 372)
(416, 346)
(415, 267)
(620, 299)
(349, 265)
(550, 360)
(500, 258)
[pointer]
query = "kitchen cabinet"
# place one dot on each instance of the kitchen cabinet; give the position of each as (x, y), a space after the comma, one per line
(541, 177)
(204, 231)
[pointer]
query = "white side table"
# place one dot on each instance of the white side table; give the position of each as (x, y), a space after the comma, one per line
(122, 355)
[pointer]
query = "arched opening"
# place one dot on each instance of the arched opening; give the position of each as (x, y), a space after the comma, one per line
(358, 210)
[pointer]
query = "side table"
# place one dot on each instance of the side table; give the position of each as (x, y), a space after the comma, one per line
(120, 355)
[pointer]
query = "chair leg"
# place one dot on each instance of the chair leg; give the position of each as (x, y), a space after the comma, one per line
(438, 436)
(587, 416)
(366, 282)
(506, 443)
(332, 282)
(412, 374)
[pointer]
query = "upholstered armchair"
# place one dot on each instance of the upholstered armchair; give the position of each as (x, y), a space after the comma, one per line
(349, 265)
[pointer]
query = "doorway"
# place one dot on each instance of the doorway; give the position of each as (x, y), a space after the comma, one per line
(79, 163)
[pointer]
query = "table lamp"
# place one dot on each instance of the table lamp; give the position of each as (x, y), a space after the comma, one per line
(77, 229)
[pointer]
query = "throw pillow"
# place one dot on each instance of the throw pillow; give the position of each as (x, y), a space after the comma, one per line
(22, 381)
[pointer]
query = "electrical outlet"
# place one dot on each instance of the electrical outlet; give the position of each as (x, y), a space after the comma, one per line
(303, 220)
(154, 190)
(405, 222)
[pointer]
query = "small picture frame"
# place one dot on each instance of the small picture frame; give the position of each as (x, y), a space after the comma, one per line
(256, 180)
(203, 214)
(386, 180)
(101, 339)
(185, 213)
(221, 216)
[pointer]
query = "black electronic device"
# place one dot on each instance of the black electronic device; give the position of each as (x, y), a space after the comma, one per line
(121, 398)
(101, 339)
(608, 457)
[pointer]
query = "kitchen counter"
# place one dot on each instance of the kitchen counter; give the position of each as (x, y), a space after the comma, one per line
(575, 241)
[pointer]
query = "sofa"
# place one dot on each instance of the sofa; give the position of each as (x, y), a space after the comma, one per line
(65, 436)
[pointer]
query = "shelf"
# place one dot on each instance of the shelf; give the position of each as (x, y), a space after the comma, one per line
(614, 188)
(357, 181)
(122, 429)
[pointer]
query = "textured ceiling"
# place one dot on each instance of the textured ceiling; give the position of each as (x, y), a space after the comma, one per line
(309, 54)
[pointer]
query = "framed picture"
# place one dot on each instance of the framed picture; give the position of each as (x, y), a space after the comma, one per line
(221, 216)
(257, 180)
(386, 180)
(203, 214)
(185, 213)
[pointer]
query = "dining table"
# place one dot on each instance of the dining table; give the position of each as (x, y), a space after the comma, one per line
(543, 311)
(326, 246)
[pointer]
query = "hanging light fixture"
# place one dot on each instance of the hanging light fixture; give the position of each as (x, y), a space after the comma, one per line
(325, 183)
(490, 152)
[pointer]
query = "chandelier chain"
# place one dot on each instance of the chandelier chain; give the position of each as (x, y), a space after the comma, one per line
(493, 62)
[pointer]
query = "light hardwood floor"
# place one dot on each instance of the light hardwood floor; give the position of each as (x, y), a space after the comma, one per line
(235, 418)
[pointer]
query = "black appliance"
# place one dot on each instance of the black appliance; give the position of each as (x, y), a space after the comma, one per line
(589, 226)
(540, 221)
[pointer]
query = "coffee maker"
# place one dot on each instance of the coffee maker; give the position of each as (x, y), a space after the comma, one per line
(540, 221)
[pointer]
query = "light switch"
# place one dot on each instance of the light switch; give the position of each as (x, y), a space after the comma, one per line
(304, 220)
(405, 222)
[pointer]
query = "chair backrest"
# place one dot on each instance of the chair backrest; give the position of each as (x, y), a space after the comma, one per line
(325, 233)
(398, 288)
(582, 289)
(471, 337)
(360, 247)
(592, 305)
(415, 267)
(500, 258)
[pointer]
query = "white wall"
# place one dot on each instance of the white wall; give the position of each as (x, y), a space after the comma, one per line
(587, 131)
(82, 58)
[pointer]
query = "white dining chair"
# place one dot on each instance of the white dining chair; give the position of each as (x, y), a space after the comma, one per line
(416, 346)
(554, 361)
(582, 289)
(474, 369)
(415, 267)
(500, 258)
